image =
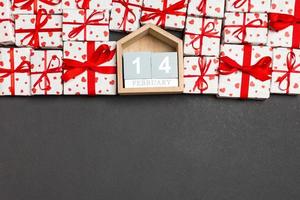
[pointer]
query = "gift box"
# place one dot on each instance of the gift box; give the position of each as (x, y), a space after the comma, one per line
(39, 31)
(46, 72)
(206, 8)
(285, 24)
(87, 4)
(201, 75)
(15, 71)
(32, 6)
(262, 6)
(202, 36)
(86, 25)
(125, 15)
(89, 68)
(286, 71)
(7, 27)
(168, 14)
(240, 28)
(245, 71)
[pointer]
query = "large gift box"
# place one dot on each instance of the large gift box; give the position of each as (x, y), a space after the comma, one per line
(168, 14)
(201, 75)
(245, 71)
(208, 8)
(87, 4)
(86, 25)
(7, 33)
(240, 28)
(41, 30)
(125, 15)
(32, 6)
(285, 24)
(286, 71)
(248, 5)
(46, 72)
(89, 68)
(202, 36)
(15, 71)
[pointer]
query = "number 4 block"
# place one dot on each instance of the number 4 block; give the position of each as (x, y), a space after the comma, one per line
(164, 65)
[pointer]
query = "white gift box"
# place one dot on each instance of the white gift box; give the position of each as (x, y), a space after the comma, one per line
(32, 6)
(97, 64)
(248, 5)
(286, 71)
(125, 15)
(169, 14)
(86, 25)
(201, 75)
(242, 28)
(206, 8)
(248, 73)
(46, 72)
(7, 27)
(202, 36)
(87, 4)
(15, 71)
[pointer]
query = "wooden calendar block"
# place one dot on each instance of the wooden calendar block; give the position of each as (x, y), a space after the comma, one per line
(137, 65)
(164, 65)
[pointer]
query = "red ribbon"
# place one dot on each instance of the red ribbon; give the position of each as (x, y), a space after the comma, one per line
(201, 84)
(90, 21)
(292, 67)
(33, 34)
(240, 3)
(95, 58)
(85, 4)
(162, 14)
(48, 70)
(202, 7)
(261, 70)
(6, 20)
(206, 31)
(23, 67)
(128, 11)
(28, 3)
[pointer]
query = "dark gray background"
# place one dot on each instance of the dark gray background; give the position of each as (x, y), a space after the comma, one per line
(175, 147)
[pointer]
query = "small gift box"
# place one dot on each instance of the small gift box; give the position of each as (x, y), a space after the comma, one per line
(46, 72)
(32, 6)
(7, 27)
(39, 30)
(89, 68)
(240, 28)
(262, 6)
(86, 25)
(245, 71)
(125, 15)
(15, 71)
(201, 75)
(202, 36)
(87, 4)
(286, 71)
(168, 14)
(206, 8)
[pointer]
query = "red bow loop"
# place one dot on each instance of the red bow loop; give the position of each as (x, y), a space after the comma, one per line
(23, 67)
(239, 3)
(241, 32)
(281, 21)
(27, 4)
(6, 20)
(201, 83)
(85, 4)
(202, 7)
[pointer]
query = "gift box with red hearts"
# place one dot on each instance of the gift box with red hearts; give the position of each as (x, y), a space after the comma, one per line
(286, 71)
(7, 27)
(86, 25)
(32, 6)
(46, 72)
(169, 14)
(245, 71)
(125, 15)
(240, 28)
(15, 71)
(201, 75)
(89, 68)
(87, 4)
(206, 8)
(39, 31)
(202, 36)
(262, 6)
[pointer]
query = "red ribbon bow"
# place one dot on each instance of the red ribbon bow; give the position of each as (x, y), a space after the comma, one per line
(28, 3)
(162, 14)
(85, 4)
(240, 3)
(202, 7)
(279, 22)
(101, 55)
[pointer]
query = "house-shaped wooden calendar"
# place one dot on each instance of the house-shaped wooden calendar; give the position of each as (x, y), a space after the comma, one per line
(150, 61)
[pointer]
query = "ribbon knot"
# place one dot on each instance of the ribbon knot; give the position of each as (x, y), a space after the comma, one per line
(241, 32)
(201, 83)
(239, 3)
(27, 4)
(23, 67)
(85, 4)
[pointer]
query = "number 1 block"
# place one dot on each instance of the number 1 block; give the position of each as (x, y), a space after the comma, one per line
(137, 65)
(164, 65)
